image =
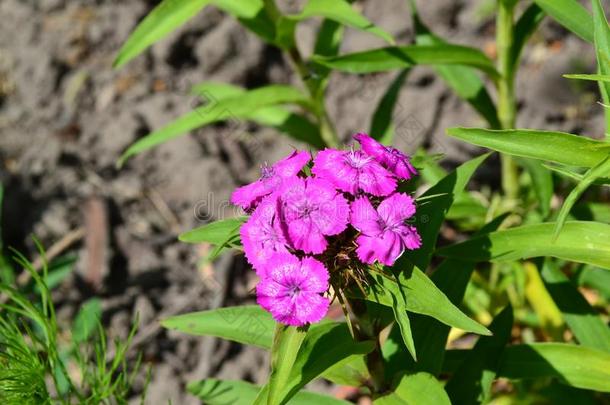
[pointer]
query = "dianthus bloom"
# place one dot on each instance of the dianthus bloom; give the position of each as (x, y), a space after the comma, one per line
(272, 177)
(384, 235)
(312, 209)
(391, 158)
(262, 235)
(353, 171)
(292, 288)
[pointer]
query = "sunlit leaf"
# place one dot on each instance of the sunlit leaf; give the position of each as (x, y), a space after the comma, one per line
(558, 147)
(580, 241)
(383, 59)
(233, 108)
(217, 232)
(417, 389)
(571, 14)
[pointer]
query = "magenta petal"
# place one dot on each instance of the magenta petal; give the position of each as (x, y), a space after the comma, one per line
(305, 236)
(292, 165)
(391, 158)
(311, 308)
(291, 290)
(364, 217)
(376, 180)
(396, 208)
(246, 196)
(330, 164)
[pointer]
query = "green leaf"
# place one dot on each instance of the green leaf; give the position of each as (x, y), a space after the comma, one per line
(252, 15)
(238, 107)
(342, 12)
(601, 33)
(399, 308)
(463, 80)
(415, 389)
(598, 171)
(571, 15)
(451, 277)
(524, 28)
(286, 344)
(247, 324)
(578, 366)
(218, 232)
(86, 320)
(558, 147)
(597, 78)
(580, 241)
(431, 213)
(542, 183)
(284, 120)
(383, 59)
(325, 345)
(164, 18)
(222, 392)
(471, 383)
(594, 277)
(381, 123)
(7, 273)
(422, 297)
(583, 320)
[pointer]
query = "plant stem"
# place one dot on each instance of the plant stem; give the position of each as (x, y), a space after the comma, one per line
(367, 330)
(506, 90)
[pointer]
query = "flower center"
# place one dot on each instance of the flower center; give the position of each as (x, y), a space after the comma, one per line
(356, 160)
(267, 171)
(294, 290)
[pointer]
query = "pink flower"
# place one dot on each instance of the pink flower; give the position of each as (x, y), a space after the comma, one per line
(291, 290)
(353, 171)
(384, 236)
(272, 177)
(311, 209)
(389, 157)
(262, 235)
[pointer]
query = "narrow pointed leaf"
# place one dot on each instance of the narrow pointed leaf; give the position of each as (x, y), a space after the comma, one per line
(586, 324)
(381, 124)
(431, 213)
(542, 183)
(163, 19)
(463, 80)
(415, 389)
(233, 108)
(247, 324)
(599, 171)
(601, 34)
(286, 344)
(526, 25)
(571, 14)
(471, 383)
(580, 241)
(399, 307)
(558, 147)
(223, 392)
(596, 77)
(342, 12)
(383, 59)
(217, 232)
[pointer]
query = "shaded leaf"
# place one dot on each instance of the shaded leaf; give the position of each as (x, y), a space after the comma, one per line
(431, 213)
(583, 320)
(601, 34)
(86, 320)
(471, 383)
(381, 124)
(223, 392)
(595, 77)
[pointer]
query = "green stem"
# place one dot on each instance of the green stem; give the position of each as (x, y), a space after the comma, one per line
(506, 90)
(367, 330)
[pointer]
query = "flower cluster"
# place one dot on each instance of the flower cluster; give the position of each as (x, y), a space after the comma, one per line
(300, 224)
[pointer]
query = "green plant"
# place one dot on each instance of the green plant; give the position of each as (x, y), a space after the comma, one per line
(519, 270)
(38, 364)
